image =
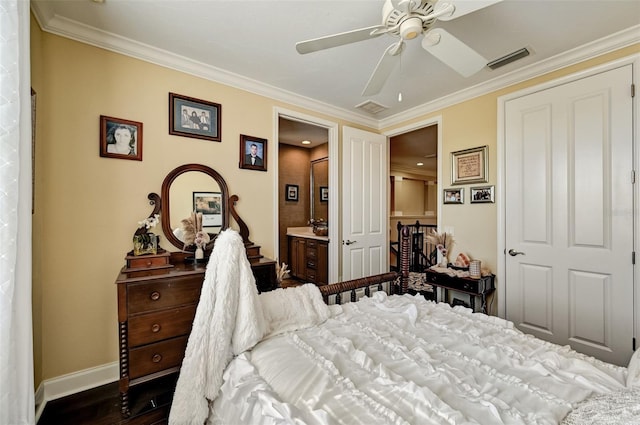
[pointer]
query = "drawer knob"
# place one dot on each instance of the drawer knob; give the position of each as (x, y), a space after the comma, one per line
(155, 328)
(157, 358)
(155, 295)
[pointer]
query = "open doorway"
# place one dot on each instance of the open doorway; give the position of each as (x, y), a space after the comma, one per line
(414, 173)
(305, 176)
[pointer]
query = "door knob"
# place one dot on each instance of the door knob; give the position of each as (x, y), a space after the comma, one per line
(348, 242)
(514, 253)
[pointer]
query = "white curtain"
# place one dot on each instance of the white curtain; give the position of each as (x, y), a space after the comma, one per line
(16, 345)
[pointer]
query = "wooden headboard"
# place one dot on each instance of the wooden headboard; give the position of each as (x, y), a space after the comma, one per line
(397, 280)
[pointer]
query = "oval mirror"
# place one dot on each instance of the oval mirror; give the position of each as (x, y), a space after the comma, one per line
(194, 187)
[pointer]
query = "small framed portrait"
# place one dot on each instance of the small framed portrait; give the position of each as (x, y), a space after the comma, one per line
(470, 166)
(210, 205)
(291, 192)
(482, 195)
(195, 118)
(253, 153)
(120, 138)
(453, 196)
(324, 193)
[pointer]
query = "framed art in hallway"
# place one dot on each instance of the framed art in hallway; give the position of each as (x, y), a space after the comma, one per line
(120, 138)
(191, 117)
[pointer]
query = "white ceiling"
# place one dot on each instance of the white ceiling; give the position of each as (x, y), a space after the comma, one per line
(251, 45)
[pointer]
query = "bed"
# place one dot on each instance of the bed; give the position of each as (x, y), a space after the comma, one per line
(287, 357)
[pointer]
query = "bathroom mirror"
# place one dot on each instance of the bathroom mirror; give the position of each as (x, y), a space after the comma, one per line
(319, 181)
(192, 187)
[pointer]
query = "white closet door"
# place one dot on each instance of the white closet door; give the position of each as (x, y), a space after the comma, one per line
(569, 214)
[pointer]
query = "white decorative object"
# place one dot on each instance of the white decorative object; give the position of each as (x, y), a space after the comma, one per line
(475, 268)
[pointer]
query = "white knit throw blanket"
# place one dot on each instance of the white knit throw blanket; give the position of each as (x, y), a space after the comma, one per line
(228, 321)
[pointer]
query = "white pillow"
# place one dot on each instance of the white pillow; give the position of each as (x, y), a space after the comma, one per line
(633, 370)
(288, 309)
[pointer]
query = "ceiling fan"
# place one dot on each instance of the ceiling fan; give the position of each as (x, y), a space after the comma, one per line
(406, 20)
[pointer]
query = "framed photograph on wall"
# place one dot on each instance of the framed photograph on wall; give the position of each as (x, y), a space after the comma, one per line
(470, 166)
(253, 153)
(210, 205)
(120, 138)
(482, 195)
(291, 192)
(324, 193)
(195, 118)
(453, 196)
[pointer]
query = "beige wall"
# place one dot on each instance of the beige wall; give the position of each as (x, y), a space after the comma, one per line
(87, 207)
(474, 123)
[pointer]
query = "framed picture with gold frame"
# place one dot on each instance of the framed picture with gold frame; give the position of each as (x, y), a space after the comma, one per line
(470, 166)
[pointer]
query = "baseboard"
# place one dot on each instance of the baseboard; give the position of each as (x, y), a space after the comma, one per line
(61, 386)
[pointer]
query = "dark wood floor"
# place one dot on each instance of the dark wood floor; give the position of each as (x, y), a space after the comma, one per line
(101, 406)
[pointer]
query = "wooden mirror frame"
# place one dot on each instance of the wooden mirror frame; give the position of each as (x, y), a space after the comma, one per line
(166, 200)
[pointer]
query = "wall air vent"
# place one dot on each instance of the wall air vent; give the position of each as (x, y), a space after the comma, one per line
(506, 59)
(371, 107)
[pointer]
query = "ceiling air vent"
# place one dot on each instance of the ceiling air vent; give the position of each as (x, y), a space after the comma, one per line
(506, 59)
(371, 107)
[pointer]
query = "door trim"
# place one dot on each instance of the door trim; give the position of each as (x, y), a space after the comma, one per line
(332, 130)
(500, 184)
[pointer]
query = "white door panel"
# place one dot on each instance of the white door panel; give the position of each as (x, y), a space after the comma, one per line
(569, 209)
(364, 223)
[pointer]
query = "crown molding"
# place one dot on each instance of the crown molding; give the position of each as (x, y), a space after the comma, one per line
(77, 31)
(74, 30)
(587, 51)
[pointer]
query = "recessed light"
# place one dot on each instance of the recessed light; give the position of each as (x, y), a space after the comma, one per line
(420, 164)
(306, 142)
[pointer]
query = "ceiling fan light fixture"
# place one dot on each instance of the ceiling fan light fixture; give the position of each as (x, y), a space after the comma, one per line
(411, 28)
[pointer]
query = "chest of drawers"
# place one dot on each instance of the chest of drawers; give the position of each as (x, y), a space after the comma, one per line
(156, 309)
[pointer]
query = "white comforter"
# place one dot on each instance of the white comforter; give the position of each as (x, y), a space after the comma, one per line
(404, 360)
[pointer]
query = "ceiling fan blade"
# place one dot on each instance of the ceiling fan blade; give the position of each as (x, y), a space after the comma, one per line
(463, 7)
(453, 52)
(385, 66)
(336, 40)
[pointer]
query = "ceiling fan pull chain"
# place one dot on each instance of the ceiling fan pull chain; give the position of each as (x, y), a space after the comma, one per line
(401, 79)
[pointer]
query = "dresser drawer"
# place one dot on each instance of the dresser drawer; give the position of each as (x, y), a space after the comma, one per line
(311, 275)
(152, 327)
(156, 357)
(149, 296)
(312, 253)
